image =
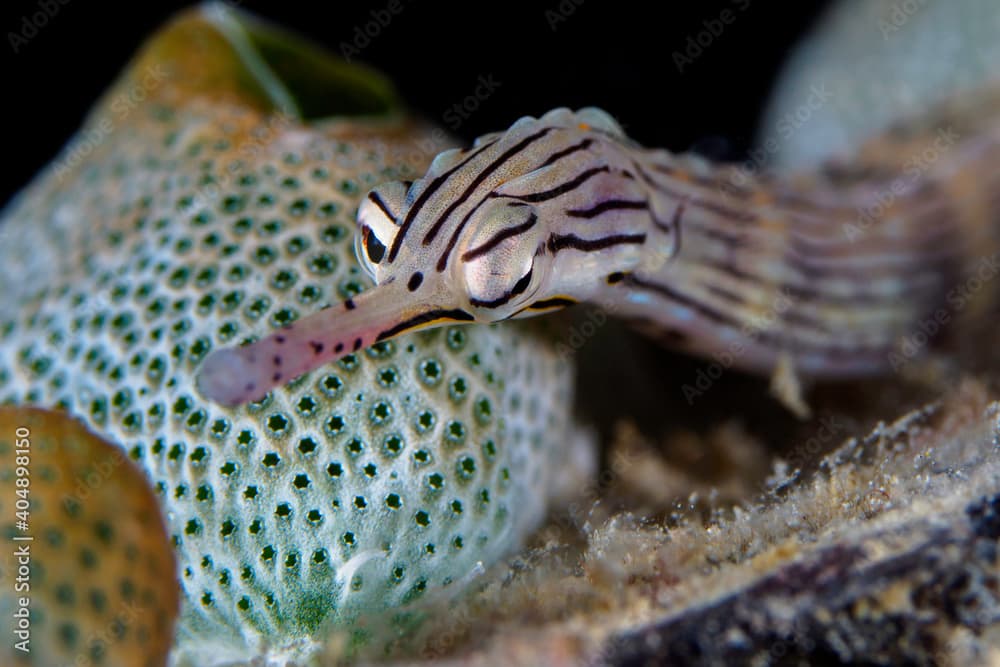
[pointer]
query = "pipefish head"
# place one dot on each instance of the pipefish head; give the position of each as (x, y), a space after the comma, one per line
(483, 237)
(482, 232)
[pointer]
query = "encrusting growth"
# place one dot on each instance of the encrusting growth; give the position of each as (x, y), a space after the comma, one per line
(88, 570)
(208, 218)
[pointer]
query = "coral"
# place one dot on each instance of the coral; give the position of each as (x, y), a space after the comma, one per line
(869, 63)
(91, 564)
(218, 209)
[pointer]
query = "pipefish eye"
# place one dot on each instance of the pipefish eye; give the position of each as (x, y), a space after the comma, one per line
(373, 247)
(369, 250)
(378, 223)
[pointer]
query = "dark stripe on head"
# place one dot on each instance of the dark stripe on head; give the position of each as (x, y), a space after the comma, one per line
(554, 302)
(555, 157)
(609, 205)
(519, 287)
(443, 259)
(426, 195)
(374, 198)
(455, 314)
(499, 237)
(492, 303)
(561, 242)
(507, 155)
(568, 186)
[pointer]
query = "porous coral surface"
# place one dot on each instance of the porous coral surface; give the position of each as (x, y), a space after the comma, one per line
(87, 579)
(206, 216)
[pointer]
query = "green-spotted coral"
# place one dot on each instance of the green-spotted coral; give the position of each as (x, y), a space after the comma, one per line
(91, 565)
(215, 211)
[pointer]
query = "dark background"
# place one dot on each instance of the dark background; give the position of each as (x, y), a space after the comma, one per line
(548, 53)
(615, 55)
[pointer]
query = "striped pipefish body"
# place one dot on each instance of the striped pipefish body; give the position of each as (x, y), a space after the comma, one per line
(827, 268)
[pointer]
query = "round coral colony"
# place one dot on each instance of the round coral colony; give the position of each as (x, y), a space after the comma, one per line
(210, 218)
